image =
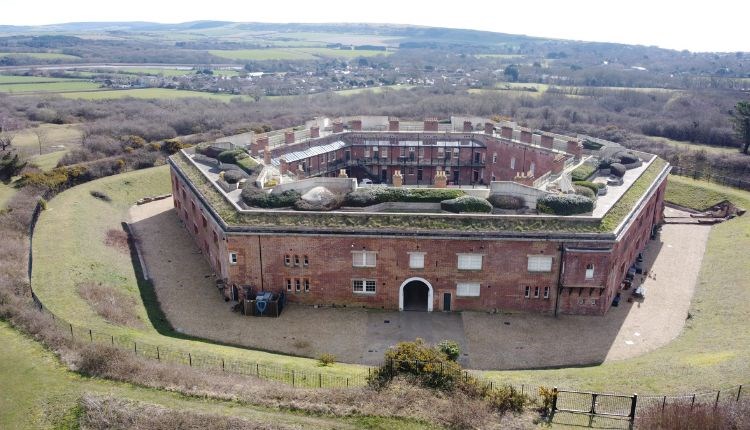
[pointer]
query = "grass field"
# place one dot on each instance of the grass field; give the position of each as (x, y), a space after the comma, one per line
(69, 247)
(59, 138)
(713, 348)
(293, 53)
(150, 93)
(40, 55)
(13, 79)
(50, 87)
(694, 146)
(38, 393)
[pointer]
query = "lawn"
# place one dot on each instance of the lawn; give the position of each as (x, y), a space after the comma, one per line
(712, 350)
(37, 392)
(40, 55)
(47, 161)
(150, 93)
(69, 248)
(59, 139)
(49, 87)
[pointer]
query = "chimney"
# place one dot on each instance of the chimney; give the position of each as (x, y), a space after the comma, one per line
(575, 148)
(398, 179)
(525, 135)
(267, 155)
(430, 124)
(288, 137)
(392, 124)
(342, 173)
(338, 126)
(441, 181)
(283, 166)
(314, 131)
(260, 142)
(547, 140)
(558, 164)
(489, 128)
(506, 132)
(468, 127)
(356, 125)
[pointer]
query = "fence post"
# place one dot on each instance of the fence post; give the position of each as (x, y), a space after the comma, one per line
(347, 382)
(257, 370)
(292, 378)
(158, 356)
(739, 390)
(554, 400)
(91, 336)
(633, 404)
(320, 380)
(593, 404)
(190, 359)
(71, 331)
(222, 365)
(521, 389)
(716, 403)
(663, 404)
(692, 403)
(113, 340)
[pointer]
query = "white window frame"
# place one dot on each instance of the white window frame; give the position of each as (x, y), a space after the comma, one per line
(288, 282)
(232, 257)
(589, 271)
(546, 292)
(536, 292)
(306, 283)
(364, 258)
(527, 292)
(297, 285)
(416, 260)
(364, 285)
(539, 263)
(494, 158)
(467, 261)
(468, 289)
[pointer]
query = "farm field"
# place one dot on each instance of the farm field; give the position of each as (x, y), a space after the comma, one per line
(40, 55)
(49, 87)
(711, 351)
(13, 79)
(73, 231)
(150, 93)
(293, 53)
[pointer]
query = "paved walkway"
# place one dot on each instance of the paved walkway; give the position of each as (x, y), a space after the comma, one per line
(185, 287)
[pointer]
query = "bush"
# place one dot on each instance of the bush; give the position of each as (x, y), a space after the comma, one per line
(564, 204)
(546, 395)
(506, 399)
(171, 146)
(465, 204)
(419, 361)
(100, 195)
(582, 172)
(584, 191)
(253, 196)
(42, 203)
(503, 201)
(372, 196)
(450, 348)
(234, 176)
(326, 359)
(232, 156)
(617, 169)
(593, 186)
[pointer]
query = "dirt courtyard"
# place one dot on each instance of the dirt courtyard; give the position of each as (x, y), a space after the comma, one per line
(185, 287)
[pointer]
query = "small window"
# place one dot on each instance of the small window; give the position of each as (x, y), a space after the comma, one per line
(287, 260)
(297, 285)
(536, 292)
(307, 285)
(494, 158)
(581, 301)
(469, 261)
(546, 292)
(363, 286)
(232, 258)
(526, 291)
(589, 271)
(296, 260)
(288, 284)
(467, 289)
(416, 260)
(305, 261)
(539, 263)
(364, 258)
(513, 163)
(593, 302)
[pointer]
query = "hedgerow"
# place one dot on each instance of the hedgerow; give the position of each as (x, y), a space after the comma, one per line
(564, 204)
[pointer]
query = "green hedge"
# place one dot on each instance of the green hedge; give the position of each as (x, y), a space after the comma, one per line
(585, 191)
(463, 204)
(255, 197)
(564, 204)
(503, 201)
(372, 196)
(617, 169)
(239, 158)
(593, 186)
(582, 172)
(234, 176)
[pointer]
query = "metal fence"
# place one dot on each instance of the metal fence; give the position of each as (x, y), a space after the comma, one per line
(594, 404)
(729, 181)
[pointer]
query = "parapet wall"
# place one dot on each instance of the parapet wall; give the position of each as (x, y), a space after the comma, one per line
(336, 185)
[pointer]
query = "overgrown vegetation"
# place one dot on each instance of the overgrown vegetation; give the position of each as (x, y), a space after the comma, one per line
(372, 196)
(253, 196)
(109, 303)
(685, 416)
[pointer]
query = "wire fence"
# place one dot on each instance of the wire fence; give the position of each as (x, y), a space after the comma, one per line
(729, 181)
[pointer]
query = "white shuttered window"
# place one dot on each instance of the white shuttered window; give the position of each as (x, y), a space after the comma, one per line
(364, 258)
(467, 289)
(470, 261)
(416, 260)
(540, 263)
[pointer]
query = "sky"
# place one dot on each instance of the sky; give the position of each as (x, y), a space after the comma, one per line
(689, 24)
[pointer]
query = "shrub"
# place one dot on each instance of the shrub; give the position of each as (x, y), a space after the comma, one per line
(506, 399)
(564, 204)
(593, 186)
(546, 395)
(234, 176)
(591, 145)
(111, 304)
(582, 172)
(503, 201)
(584, 191)
(617, 169)
(726, 415)
(626, 157)
(464, 204)
(253, 196)
(450, 348)
(231, 156)
(372, 196)
(417, 360)
(100, 195)
(326, 359)
(42, 204)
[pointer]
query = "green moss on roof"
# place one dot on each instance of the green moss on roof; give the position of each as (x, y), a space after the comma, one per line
(410, 222)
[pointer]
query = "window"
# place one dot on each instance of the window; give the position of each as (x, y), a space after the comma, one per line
(307, 285)
(296, 260)
(305, 261)
(288, 284)
(416, 260)
(536, 292)
(526, 291)
(593, 302)
(384, 153)
(540, 263)
(589, 271)
(367, 152)
(363, 286)
(494, 158)
(546, 292)
(467, 289)
(470, 261)
(364, 258)
(297, 285)
(513, 163)
(287, 260)
(531, 168)
(232, 258)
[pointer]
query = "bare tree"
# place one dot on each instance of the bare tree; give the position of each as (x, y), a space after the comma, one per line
(9, 128)
(42, 136)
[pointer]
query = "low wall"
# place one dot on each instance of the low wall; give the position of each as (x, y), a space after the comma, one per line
(335, 185)
(510, 188)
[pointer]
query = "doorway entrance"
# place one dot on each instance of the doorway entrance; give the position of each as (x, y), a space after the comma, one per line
(415, 294)
(446, 301)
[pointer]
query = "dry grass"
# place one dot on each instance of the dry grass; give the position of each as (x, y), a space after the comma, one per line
(111, 413)
(729, 415)
(117, 239)
(109, 303)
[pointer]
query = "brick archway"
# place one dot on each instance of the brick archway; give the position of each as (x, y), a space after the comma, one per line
(416, 280)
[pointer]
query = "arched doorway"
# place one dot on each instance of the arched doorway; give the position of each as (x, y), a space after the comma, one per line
(415, 294)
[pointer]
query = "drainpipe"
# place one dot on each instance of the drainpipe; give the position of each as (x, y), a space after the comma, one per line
(559, 278)
(260, 259)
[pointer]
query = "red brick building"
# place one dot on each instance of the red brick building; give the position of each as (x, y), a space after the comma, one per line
(424, 261)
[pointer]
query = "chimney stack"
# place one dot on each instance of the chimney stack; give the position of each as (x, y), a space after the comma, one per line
(393, 124)
(489, 128)
(314, 131)
(575, 148)
(548, 140)
(525, 135)
(468, 127)
(338, 126)
(431, 124)
(506, 132)
(288, 137)
(356, 125)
